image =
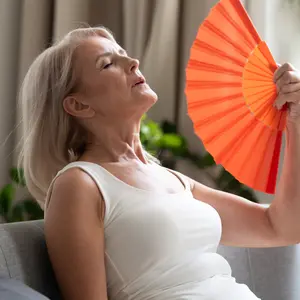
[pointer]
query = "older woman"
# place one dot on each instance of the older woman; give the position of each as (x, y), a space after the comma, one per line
(118, 225)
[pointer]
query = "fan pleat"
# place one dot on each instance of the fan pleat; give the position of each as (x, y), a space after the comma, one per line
(193, 106)
(241, 13)
(225, 38)
(248, 168)
(207, 67)
(209, 51)
(221, 144)
(209, 84)
(255, 166)
(237, 113)
(232, 18)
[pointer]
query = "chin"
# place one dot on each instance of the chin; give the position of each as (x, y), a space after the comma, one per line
(144, 97)
(154, 97)
(149, 99)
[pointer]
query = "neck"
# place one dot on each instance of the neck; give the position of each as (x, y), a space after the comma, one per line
(115, 144)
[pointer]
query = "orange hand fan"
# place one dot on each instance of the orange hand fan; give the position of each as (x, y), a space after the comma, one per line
(230, 95)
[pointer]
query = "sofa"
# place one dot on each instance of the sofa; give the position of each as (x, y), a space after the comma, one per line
(272, 274)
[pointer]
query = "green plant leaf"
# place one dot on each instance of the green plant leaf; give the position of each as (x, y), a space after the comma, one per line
(150, 133)
(32, 209)
(17, 176)
(6, 198)
(227, 182)
(144, 134)
(155, 130)
(17, 213)
(144, 117)
(224, 178)
(204, 161)
(168, 127)
(171, 141)
(247, 194)
(208, 160)
(234, 186)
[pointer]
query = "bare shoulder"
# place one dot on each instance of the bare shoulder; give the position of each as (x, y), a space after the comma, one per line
(74, 189)
(76, 181)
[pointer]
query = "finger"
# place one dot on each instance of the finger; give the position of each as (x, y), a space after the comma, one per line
(281, 70)
(287, 78)
(290, 88)
(282, 99)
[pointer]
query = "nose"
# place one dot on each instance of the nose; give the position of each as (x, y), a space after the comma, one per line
(133, 65)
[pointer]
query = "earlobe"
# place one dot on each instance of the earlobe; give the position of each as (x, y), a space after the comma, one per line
(76, 108)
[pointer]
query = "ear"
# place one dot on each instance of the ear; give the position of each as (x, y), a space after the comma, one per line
(76, 108)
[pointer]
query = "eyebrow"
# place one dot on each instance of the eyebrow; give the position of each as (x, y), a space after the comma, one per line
(106, 54)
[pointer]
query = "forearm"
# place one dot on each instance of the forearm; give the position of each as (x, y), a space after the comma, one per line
(284, 212)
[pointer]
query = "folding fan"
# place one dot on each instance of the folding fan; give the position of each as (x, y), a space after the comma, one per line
(230, 94)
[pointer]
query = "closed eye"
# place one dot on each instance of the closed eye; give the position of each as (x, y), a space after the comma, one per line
(107, 66)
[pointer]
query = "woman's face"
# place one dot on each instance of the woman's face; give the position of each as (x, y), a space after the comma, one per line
(110, 82)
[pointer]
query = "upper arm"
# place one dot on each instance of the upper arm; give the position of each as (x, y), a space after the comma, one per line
(75, 236)
(244, 223)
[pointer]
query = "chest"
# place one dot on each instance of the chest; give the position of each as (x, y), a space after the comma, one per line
(146, 232)
(149, 177)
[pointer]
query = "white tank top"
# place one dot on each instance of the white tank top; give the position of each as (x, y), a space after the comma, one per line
(161, 246)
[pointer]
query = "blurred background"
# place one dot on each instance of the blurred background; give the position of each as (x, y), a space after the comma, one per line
(157, 32)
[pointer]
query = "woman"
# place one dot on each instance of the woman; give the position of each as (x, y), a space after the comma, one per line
(117, 224)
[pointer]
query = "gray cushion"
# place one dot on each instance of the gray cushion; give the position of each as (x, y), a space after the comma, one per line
(272, 274)
(24, 257)
(11, 289)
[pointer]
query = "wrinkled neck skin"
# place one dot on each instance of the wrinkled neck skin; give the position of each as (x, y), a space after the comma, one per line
(115, 142)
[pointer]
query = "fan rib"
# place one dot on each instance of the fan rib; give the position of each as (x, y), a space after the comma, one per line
(262, 95)
(251, 63)
(217, 52)
(221, 8)
(215, 100)
(258, 74)
(195, 84)
(227, 158)
(262, 158)
(268, 56)
(199, 65)
(237, 143)
(264, 109)
(258, 59)
(246, 20)
(282, 121)
(248, 130)
(274, 162)
(207, 24)
(219, 116)
(274, 166)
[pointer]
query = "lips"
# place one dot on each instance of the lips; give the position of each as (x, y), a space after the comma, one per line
(140, 80)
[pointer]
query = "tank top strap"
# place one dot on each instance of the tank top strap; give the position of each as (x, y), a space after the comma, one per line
(105, 183)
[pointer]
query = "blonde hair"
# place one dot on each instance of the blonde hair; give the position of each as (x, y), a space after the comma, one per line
(51, 137)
